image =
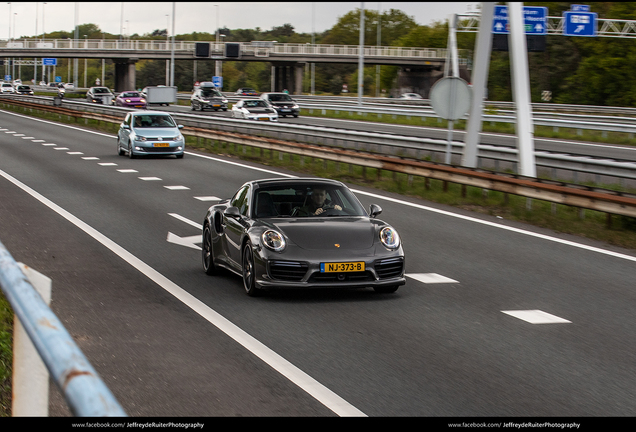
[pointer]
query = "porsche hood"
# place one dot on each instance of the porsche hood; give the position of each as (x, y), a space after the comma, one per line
(329, 233)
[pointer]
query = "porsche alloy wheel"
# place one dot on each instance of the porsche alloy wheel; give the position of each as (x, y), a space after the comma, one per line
(249, 277)
(206, 251)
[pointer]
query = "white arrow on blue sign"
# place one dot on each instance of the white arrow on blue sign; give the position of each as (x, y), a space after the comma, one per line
(579, 23)
(217, 81)
(534, 20)
(49, 61)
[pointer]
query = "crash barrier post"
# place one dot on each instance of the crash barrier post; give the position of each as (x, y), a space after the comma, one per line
(82, 388)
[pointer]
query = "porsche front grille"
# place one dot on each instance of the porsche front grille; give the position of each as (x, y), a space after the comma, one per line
(287, 270)
(390, 267)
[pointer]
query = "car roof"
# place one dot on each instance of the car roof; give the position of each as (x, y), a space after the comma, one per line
(144, 112)
(296, 181)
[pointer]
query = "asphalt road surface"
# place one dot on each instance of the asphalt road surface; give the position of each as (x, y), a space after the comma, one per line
(496, 319)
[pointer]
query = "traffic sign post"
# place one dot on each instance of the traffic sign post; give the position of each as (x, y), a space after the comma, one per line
(579, 23)
(534, 20)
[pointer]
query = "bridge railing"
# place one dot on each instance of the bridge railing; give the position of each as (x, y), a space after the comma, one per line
(246, 47)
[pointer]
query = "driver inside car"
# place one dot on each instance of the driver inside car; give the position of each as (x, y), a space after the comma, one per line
(318, 204)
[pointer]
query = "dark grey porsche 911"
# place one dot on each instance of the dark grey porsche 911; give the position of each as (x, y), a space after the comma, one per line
(301, 233)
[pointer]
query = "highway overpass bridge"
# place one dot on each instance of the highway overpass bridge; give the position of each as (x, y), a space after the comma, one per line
(288, 60)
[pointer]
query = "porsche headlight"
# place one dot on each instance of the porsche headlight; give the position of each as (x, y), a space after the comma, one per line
(390, 238)
(273, 240)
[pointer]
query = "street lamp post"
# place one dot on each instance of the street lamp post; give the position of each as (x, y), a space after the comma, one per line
(85, 60)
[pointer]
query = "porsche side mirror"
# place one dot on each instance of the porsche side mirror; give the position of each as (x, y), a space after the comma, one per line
(232, 212)
(374, 210)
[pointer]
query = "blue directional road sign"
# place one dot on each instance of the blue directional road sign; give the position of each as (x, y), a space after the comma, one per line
(217, 81)
(579, 23)
(49, 61)
(534, 20)
(58, 79)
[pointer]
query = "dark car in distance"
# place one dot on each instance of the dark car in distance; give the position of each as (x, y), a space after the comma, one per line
(301, 233)
(206, 96)
(100, 95)
(23, 89)
(246, 91)
(282, 103)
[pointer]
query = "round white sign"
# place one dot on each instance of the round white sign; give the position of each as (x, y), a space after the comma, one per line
(450, 98)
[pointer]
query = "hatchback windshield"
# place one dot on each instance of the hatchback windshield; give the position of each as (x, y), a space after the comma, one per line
(130, 94)
(101, 90)
(153, 120)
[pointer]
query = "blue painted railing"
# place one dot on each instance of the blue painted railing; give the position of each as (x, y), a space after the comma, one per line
(84, 391)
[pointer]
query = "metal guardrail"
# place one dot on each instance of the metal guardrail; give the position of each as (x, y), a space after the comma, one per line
(365, 141)
(85, 393)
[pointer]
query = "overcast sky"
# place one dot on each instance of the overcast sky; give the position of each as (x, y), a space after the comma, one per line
(144, 17)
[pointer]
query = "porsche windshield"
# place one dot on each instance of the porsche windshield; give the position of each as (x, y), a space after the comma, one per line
(292, 200)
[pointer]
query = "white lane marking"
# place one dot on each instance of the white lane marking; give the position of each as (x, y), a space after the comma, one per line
(430, 278)
(107, 164)
(60, 148)
(207, 198)
(406, 203)
(49, 144)
(536, 317)
(74, 153)
(127, 170)
(17, 134)
(503, 227)
(38, 140)
(89, 157)
(188, 221)
(26, 137)
(321, 393)
(149, 178)
(11, 132)
(177, 187)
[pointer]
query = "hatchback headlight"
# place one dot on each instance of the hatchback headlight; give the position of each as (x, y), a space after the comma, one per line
(140, 138)
(390, 238)
(273, 240)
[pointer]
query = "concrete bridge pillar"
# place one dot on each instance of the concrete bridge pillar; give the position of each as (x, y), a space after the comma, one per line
(288, 76)
(125, 74)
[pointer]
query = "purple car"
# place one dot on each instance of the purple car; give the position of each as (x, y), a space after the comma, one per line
(130, 99)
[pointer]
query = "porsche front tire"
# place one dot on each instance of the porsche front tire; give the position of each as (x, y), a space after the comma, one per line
(249, 274)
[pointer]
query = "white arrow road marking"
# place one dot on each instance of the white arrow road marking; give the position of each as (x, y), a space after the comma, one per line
(189, 241)
(186, 220)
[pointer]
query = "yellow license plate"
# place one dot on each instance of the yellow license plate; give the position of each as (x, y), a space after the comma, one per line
(215, 105)
(343, 267)
(264, 118)
(161, 145)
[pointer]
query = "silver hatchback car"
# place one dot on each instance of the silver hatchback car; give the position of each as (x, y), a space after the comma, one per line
(150, 133)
